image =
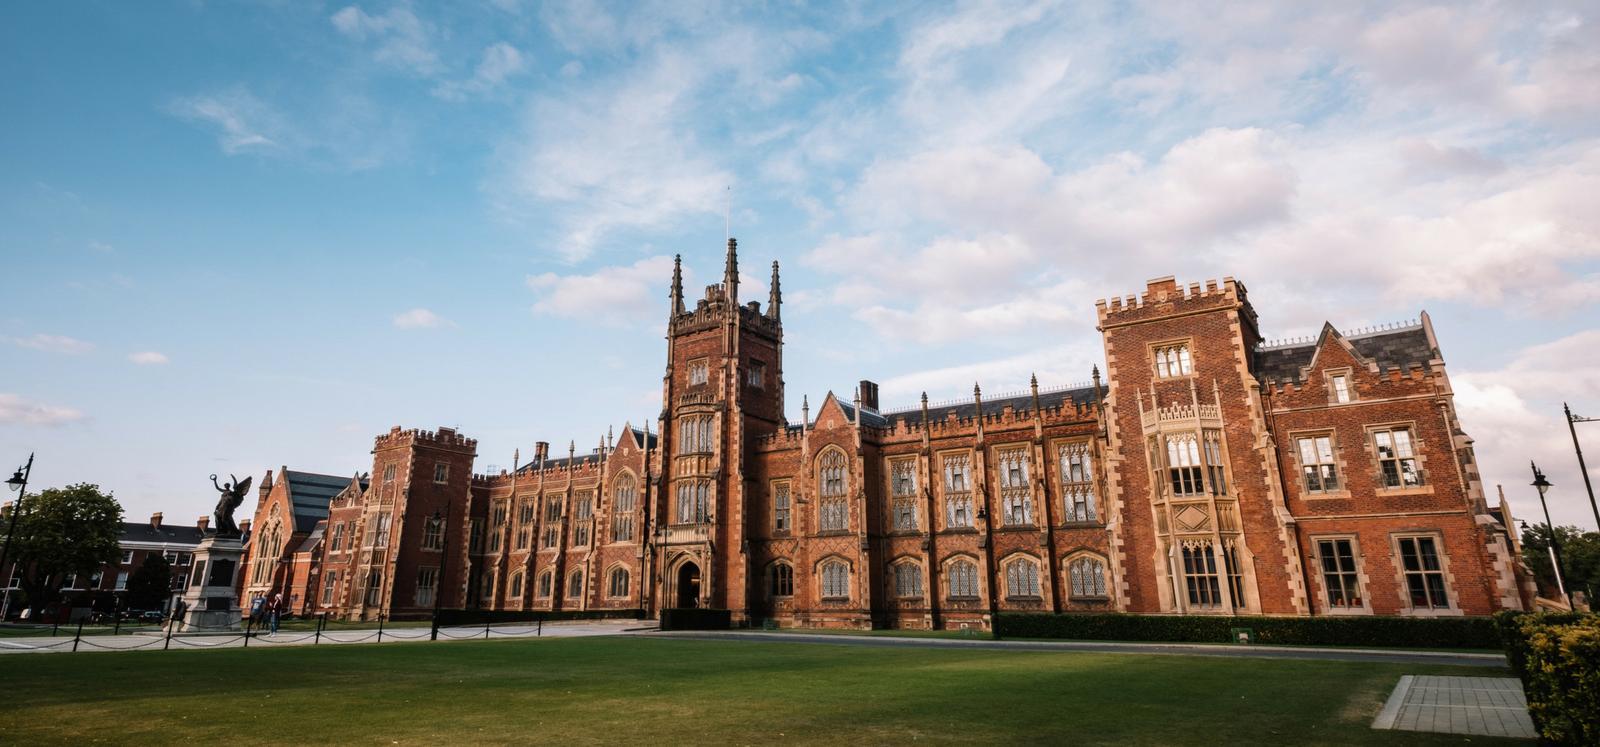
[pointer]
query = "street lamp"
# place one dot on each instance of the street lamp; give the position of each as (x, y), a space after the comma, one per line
(1572, 426)
(19, 485)
(1543, 486)
(444, 557)
(989, 576)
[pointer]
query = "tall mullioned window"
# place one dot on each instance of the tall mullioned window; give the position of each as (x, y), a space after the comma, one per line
(624, 501)
(1077, 481)
(1317, 466)
(835, 580)
(1016, 493)
(903, 494)
(962, 580)
(1087, 577)
(1340, 383)
(907, 580)
(1200, 575)
(1339, 576)
(780, 580)
(1183, 465)
(1173, 360)
(694, 500)
(698, 373)
(1022, 578)
(552, 521)
(695, 435)
(1419, 559)
(957, 491)
(833, 509)
(781, 517)
(583, 507)
(1396, 460)
(433, 534)
(618, 585)
(1216, 470)
(427, 586)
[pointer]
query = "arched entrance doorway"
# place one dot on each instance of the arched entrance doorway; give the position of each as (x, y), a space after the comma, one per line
(688, 585)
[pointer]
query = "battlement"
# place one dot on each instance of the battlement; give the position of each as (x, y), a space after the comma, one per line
(442, 438)
(1166, 290)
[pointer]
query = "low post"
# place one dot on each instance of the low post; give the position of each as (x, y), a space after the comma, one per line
(78, 636)
(486, 630)
(322, 618)
(116, 624)
(539, 632)
(55, 624)
(247, 627)
(433, 634)
(380, 627)
(170, 625)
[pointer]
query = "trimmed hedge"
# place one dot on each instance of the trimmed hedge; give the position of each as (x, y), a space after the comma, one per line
(1558, 658)
(447, 618)
(1401, 632)
(693, 618)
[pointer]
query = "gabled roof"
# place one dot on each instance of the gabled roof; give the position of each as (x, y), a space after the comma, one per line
(310, 493)
(1399, 348)
(175, 535)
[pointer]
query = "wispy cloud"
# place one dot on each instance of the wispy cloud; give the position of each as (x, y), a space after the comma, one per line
(15, 410)
(621, 294)
(244, 123)
(500, 63)
(148, 358)
(53, 343)
(420, 319)
(398, 37)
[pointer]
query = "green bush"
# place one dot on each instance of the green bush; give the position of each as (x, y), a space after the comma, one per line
(449, 617)
(685, 618)
(1402, 632)
(1558, 658)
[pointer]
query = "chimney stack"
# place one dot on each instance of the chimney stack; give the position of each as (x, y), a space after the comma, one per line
(541, 452)
(202, 523)
(155, 520)
(869, 395)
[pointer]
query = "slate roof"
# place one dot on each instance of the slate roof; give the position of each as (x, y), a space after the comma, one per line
(1396, 348)
(310, 493)
(170, 534)
(312, 539)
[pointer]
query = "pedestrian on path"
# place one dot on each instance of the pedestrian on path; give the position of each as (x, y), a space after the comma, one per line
(275, 609)
(180, 608)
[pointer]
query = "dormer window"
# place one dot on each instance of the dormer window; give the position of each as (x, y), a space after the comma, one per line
(1340, 385)
(1173, 360)
(697, 373)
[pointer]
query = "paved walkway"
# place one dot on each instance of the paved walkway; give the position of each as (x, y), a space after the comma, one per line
(1488, 706)
(333, 635)
(1393, 656)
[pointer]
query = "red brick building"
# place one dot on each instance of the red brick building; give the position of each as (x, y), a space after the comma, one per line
(1208, 473)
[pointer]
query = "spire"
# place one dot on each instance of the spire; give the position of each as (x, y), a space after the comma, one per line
(730, 272)
(775, 296)
(677, 285)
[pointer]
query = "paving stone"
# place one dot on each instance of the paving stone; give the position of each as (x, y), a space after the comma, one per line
(1489, 706)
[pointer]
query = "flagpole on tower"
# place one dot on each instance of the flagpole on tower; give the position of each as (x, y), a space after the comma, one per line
(727, 210)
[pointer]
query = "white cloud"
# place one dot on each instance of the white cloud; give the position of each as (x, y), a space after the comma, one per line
(14, 410)
(53, 343)
(244, 122)
(401, 38)
(148, 358)
(420, 319)
(501, 61)
(625, 294)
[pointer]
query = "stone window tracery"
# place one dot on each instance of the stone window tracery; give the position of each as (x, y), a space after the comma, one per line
(1077, 481)
(695, 434)
(698, 373)
(781, 517)
(584, 509)
(624, 501)
(780, 580)
(1016, 493)
(962, 580)
(619, 583)
(1173, 360)
(575, 584)
(903, 498)
(907, 580)
(694, 502)
(957, 491)
(835, 580)
(1087, 577)
(1022, 578)
(1183, 465)
(833, 506)
(1200, 575)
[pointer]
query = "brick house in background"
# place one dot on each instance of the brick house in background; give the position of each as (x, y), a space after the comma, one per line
(1209, 473)
(101, 590)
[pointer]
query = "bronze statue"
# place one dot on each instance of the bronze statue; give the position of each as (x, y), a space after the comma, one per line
(232, 497)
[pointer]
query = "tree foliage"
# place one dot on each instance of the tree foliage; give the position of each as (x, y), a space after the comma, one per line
(1580, 553)
(74, 529)
(150, 583)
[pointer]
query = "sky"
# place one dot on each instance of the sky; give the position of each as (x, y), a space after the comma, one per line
(243, 235)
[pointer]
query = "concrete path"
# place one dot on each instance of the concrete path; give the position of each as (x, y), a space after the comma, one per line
(1393, 656)
(333, 635)
(1488, 706)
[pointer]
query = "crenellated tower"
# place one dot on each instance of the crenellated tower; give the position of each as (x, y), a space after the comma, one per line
(723, 389)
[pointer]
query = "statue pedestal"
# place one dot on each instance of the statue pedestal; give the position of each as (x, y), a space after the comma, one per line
(211, 596)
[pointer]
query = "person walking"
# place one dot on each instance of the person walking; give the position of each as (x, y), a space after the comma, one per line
(180, 609)
(275, 610)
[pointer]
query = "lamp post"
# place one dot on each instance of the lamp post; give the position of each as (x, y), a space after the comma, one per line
(1543, 486)
(1572, 426)
(444, 558)
(19, 485)
(989, 576)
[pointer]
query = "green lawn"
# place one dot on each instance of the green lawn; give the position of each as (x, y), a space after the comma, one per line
(606, 690)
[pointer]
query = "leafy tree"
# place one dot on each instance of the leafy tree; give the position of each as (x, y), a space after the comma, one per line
(150, 584)
(1580, 553)
(64, 530)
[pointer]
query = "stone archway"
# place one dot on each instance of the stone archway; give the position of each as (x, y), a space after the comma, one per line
(688, 585)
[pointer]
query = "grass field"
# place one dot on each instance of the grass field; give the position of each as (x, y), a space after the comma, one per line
(632, 689)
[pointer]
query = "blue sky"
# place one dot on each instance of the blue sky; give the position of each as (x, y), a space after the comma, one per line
(239, 236)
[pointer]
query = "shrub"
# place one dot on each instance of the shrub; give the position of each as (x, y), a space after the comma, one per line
(1558, 658)
(1404, 632)
(685, 618)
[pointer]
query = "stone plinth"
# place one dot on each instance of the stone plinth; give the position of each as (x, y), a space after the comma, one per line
(213, 602)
